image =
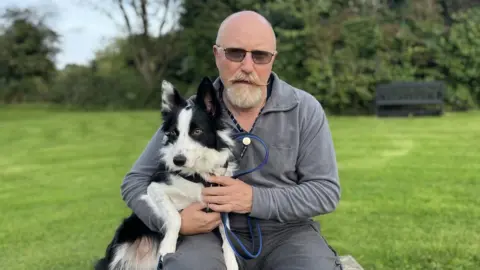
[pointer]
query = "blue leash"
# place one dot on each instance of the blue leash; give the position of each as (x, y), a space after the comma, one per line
(237, 246)
(242, 135)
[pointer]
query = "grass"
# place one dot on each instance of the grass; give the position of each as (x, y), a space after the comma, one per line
(410, 188)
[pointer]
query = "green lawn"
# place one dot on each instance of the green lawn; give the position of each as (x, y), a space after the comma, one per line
(410, 188)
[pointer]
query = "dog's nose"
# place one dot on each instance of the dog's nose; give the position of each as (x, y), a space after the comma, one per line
(179, 160)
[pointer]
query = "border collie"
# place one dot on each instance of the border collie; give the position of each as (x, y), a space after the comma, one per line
(196, 144)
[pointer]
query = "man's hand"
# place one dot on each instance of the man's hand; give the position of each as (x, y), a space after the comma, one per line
(232, 196)
(195, 220)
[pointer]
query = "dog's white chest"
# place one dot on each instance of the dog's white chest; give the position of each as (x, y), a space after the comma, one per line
(181, 192)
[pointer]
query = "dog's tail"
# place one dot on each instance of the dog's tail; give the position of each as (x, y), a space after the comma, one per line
(122, 251)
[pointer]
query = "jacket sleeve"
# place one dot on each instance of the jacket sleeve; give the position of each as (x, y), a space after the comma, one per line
(318, 188)
(135, 184)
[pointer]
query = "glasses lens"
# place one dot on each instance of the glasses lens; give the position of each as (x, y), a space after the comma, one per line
(234, 54)
(261, 57)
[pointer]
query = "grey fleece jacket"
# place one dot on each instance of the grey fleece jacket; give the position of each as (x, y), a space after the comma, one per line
(299, 181)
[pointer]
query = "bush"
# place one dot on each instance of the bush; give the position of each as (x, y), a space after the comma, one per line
(83, 87)
(459, 59)
(351, 54)
(337, 51)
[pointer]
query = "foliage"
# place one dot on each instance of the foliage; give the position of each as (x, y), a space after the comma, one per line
(460, 59)
(27, 50)
(337, 50)
(89, 88)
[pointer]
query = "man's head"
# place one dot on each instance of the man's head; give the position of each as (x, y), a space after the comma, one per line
(245, 74)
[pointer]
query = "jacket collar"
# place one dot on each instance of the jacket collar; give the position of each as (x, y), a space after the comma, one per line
(283, 96)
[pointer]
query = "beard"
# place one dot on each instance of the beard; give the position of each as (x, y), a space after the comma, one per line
(244, 91)
(244, 96)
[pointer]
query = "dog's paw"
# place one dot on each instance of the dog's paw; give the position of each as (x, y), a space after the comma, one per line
(166, 248)
(231, 263)
(229, 257)
(218, 171)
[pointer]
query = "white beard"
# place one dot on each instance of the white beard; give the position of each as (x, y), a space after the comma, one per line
(244, 96)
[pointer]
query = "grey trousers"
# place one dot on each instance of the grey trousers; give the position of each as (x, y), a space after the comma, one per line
(294, 247)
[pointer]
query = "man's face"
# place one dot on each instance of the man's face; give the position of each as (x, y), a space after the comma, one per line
(245, 74)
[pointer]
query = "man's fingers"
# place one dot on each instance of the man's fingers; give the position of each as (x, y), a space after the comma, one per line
(222, 180)
(224, 208)
(221, 199)
(215, 224)
(211, 220)
(198, 205)
(215, 191)
(212, 216)
(212, 225)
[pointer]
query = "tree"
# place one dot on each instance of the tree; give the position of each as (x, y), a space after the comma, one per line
(151, 34)
(27, 51)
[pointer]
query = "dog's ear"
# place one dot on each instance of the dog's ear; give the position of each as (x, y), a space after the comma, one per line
(206, 97)
(171, 98)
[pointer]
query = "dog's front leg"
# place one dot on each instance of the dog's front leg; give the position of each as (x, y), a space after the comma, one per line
(171, 218)
(228, 254)
(173, 224)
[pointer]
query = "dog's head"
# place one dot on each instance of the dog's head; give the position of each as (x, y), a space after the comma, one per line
(196, 140)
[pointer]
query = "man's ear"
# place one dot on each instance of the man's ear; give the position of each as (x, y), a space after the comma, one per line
(171, 98)
(206, 97)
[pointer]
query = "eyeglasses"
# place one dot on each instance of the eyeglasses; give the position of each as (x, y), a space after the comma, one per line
(238, 54)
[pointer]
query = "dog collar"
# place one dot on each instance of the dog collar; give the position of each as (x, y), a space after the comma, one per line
(197, 178)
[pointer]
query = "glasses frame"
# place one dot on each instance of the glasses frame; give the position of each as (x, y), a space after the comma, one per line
(224, 49)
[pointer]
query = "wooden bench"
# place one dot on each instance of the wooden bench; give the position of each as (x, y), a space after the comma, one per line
(410, 99)
(349, 263)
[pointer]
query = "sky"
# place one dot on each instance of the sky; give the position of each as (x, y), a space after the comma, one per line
(83, 30)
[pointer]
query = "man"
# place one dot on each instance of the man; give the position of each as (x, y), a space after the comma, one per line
(300, 180)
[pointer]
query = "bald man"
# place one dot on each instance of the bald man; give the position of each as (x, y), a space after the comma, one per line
(300, 180)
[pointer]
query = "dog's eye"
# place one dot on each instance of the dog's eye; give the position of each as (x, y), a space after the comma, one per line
(197, 131)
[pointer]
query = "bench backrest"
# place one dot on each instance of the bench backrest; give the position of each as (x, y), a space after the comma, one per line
(410, 93)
